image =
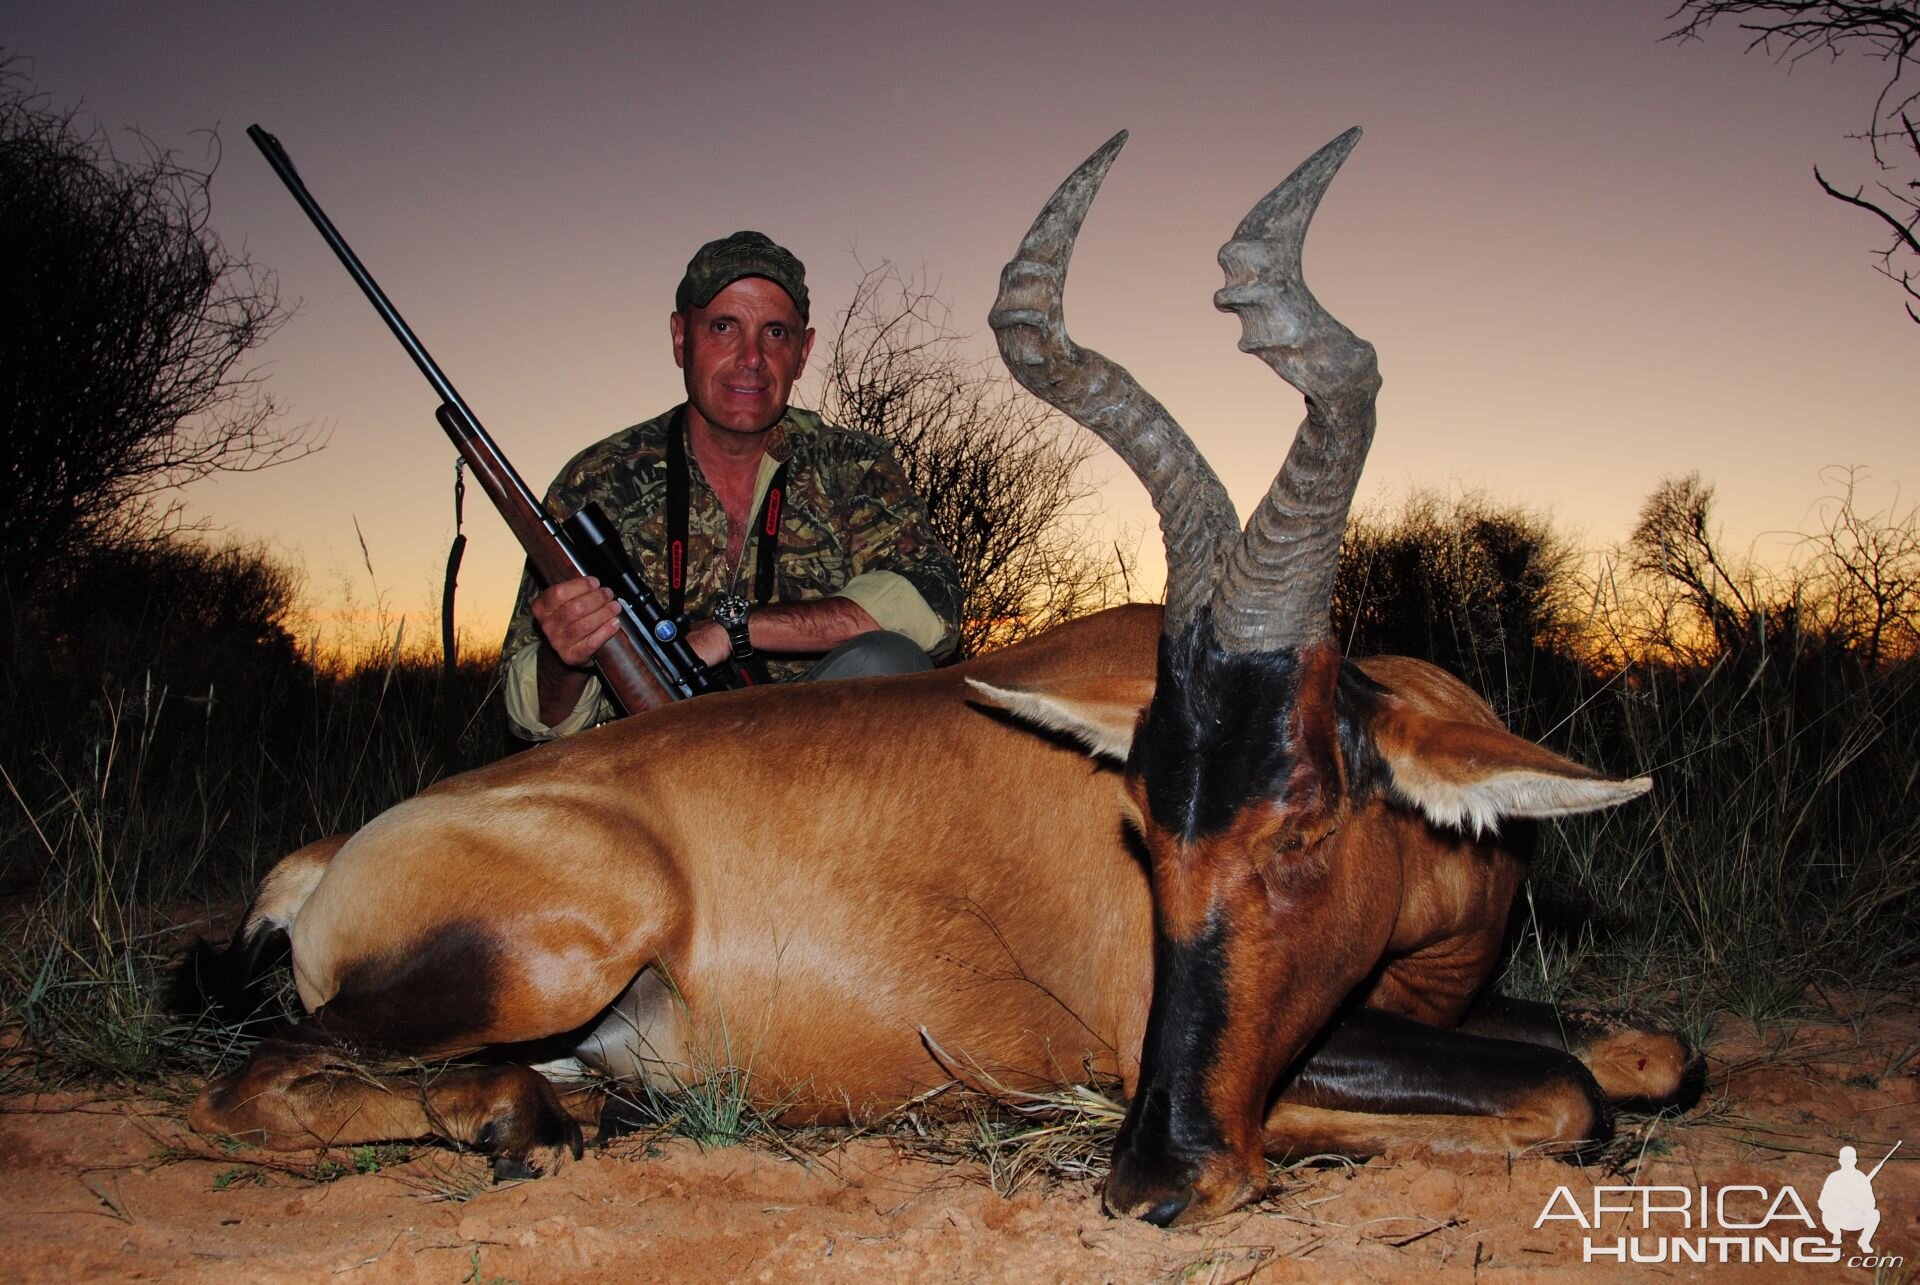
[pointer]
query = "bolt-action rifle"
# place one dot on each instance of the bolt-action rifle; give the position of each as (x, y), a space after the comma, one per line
(647, 663)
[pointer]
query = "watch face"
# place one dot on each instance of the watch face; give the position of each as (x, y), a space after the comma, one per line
(730, 610)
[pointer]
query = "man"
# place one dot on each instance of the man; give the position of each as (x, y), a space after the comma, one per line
(852, 571)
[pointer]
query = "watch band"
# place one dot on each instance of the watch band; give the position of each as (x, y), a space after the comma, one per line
(732, 612)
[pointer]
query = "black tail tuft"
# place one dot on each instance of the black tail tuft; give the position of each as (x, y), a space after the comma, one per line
(1693, 1081)
(232, 984)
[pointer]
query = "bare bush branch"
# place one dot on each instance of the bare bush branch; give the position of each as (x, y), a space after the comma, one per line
(1003, 476)
(123, 326)
(1851, 590)
(1886, 30)
(1673, 543)
(1863, 574)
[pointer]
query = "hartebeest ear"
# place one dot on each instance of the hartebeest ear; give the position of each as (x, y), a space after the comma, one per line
(1469, 775)
(1100, 713)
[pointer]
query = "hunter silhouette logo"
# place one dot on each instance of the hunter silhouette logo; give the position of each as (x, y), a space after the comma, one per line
(1846, 1200)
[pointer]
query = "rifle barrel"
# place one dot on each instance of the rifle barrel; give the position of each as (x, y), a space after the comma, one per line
(283, 166)
(636, 662)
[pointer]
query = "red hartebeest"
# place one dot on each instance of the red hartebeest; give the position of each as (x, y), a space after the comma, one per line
(1268, 901)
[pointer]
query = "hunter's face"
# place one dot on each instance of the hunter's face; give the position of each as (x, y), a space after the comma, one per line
(741, 354)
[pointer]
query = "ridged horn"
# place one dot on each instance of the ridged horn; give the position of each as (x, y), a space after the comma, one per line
(1277, 588)
(1197, 520)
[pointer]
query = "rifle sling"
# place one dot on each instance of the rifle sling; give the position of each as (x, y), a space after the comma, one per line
(765, 531)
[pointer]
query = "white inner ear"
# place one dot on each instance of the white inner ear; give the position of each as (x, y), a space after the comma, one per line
(1477, 806)
(1104, 727)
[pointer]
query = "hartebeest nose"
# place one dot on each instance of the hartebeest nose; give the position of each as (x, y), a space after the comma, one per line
(1200, 1193)
(1130, 1194)
(1163, 1214)
(1166, 1189)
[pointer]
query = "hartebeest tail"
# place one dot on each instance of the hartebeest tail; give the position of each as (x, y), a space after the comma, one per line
(232, 983)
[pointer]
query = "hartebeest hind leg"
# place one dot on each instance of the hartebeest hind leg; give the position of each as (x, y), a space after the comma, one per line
(1376, 1080)
(294, 1093)
(313, 1083)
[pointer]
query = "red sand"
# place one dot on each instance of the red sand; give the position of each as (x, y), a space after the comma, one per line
(116, 1189)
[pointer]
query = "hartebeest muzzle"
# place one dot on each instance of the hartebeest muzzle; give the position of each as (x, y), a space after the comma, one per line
(1269, 907)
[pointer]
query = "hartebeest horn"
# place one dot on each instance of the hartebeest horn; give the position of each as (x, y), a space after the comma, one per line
(1278, 584)
(1197, 520)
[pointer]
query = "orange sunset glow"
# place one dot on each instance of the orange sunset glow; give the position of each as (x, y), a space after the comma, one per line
(1588, 259)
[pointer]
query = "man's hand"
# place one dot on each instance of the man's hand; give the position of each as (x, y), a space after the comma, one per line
(575, 618)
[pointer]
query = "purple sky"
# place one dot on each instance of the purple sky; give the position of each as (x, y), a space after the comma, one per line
(1588, 259)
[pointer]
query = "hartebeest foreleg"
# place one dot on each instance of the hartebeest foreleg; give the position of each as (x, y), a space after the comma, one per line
(327, 1079)
(1636, 1068)
(1515, 1076)
(1376, 1080)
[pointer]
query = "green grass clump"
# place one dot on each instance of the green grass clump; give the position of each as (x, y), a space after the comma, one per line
(77, 957)
(136, 818)
(713, 1098)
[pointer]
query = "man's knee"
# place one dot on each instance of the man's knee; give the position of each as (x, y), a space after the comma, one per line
(870, 655)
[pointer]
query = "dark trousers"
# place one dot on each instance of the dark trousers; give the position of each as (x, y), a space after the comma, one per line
(870, 655)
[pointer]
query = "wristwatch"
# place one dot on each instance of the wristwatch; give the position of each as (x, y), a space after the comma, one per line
(730, 612)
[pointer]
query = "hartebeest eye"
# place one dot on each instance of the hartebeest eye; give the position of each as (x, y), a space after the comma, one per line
(1282, 836)
(1299, 839)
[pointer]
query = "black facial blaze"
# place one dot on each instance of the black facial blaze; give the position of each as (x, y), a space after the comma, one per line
(1168, 1131)
(1218, 735)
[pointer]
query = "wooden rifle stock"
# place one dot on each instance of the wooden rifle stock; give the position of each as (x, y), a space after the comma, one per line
(647, 663)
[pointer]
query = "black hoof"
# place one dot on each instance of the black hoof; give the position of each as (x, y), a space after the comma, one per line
(533, 1125)
(562, 1130)
(1693, 1084)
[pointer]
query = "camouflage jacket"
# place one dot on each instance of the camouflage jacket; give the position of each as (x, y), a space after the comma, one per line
(848, 513)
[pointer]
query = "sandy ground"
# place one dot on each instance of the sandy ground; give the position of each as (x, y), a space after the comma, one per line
(112, 1188)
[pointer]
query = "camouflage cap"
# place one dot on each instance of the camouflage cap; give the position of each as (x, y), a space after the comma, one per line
(718, 264)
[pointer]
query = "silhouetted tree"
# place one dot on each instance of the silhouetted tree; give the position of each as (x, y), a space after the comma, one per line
(1864, 572)
(123, 323)
(1849, 595)
(1482, 589)
(1001, 473)
(1888, 30)
(1672, 545)
(192, 615)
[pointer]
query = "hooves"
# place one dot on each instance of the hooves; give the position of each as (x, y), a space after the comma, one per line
(292, 1096)
(525, 1131)
(544, 1157)
(1621, 1068)
(520, 1168)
